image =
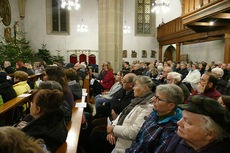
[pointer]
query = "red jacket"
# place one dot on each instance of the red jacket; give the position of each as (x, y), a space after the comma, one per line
(211, 93)
(108, 80)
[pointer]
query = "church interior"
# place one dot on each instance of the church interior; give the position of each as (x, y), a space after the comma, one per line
(101, 76)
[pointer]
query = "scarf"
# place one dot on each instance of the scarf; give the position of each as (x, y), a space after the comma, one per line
(145, 98)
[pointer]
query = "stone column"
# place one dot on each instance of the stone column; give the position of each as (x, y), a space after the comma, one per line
(160, 53)
(178, 52)
(227, 48)
(110, 32)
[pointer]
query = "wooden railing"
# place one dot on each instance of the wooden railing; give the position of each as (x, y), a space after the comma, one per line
(189, 6)
(171, 27)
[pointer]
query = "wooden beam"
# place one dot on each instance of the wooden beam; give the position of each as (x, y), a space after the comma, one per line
(222, 16)
(227, 48)
(178, 52)
(160, 53)
(205, 24)
(202, 40)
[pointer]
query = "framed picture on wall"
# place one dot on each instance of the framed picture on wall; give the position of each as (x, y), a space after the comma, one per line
(134, 54)
(5, 12)
(124, 53)
(144, 54)
(153, 54)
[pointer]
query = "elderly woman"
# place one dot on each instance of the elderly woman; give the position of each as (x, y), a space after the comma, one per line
(20, 79)
(126, 126)
(221, 83)
(160, 126)
(193, 77)
(48, 123)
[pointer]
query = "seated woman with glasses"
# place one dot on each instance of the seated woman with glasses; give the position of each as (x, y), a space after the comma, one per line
(161, 125)
(128, 123)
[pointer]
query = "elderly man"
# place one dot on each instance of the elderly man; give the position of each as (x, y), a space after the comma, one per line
(175, 78)
(221, 83)
(137, 69)
(163, 78)
(207, 86)
(8, 68)
(203, 128)
(160, 126)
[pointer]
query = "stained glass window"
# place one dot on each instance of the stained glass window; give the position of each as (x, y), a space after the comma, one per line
(144, 17)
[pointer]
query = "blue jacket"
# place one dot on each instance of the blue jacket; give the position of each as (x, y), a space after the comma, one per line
(154, 136)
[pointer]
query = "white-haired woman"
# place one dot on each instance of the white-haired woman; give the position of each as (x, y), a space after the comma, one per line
(128, 123)
(221, 83)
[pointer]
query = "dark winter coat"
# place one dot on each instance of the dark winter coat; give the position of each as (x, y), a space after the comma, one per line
(50, 127)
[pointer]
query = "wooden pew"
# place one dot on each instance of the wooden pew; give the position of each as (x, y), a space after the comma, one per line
(13, 103)
(74, 128)
(7, 109)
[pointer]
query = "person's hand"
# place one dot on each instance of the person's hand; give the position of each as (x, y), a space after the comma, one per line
(103, 104)
(111, 138)
(200, 88)
(161, 76)
(110, 128)
(113, 114)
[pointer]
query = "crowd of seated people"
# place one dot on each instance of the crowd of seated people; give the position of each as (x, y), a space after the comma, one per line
(175, 86)
(153, 107)
(49, 112)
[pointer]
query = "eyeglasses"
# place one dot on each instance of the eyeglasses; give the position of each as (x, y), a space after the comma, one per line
(158, 99)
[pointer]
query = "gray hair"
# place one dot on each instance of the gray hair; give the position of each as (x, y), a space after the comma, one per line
(211, 124)
(160, 68)
(172, 93)
(175, 76)
(131, 77)
(218, 71)
(8, 63)
(50, 85)
(145, 81)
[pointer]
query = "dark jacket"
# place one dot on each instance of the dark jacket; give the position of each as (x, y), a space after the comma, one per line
(178, 145)
(221, 86)
(184, 89)
(6, 90)
(138, 72)
(76, 89)
(50, 127)
(183, 73)
(119, 104)
(120, 100)
(9, 70)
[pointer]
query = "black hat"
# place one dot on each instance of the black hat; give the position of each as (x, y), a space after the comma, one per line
(209, 107)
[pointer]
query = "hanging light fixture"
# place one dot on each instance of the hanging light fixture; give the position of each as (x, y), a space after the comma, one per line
(82, 27)
(126, 28)
(70, 3)
(160, 6)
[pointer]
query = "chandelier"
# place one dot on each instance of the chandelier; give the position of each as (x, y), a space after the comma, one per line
(70, 3)
(160, 6)
(126, 29)
(82, 28)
